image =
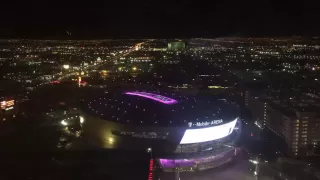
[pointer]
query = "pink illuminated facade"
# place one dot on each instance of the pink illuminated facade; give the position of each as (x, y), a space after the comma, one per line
(156, 97)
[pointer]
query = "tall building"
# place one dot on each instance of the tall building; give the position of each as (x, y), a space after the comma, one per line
(296, 118)
(176, 46)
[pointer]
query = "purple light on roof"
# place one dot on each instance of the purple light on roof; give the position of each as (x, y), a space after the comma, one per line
(156, 97)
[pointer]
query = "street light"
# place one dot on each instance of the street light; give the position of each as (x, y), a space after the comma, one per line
(81, 120)
(66, 66)
(254, 161)
(111, 140)
(257, 166)
(64, 123)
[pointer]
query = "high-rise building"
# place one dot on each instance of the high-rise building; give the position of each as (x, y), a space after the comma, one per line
(176, 46)
(295, 118)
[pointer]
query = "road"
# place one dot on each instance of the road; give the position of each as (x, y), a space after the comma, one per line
(93, 67)
(235, 171)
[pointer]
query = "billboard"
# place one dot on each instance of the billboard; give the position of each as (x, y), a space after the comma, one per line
(208, 134)
(7, 105)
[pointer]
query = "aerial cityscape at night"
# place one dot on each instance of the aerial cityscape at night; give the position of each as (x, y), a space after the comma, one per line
(194, 108)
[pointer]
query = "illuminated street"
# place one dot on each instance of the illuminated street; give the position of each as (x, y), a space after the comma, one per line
(96, 66)
(238, 171)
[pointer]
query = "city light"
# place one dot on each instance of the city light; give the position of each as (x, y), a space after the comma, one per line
(254, 161)
(258, 124)
(66, 66)
(7, 105)
(81, 119)
(275, 80)
(110, 140)
(63, 122)
(79, 81)
(9, 108)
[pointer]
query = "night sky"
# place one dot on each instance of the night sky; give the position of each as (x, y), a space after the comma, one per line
(139, 19)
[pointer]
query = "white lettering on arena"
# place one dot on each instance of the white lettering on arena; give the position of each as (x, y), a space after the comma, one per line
(211, 133)
(206, 123)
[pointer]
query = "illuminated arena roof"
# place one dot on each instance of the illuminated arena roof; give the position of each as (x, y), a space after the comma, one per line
(156, 97)
(160, 109)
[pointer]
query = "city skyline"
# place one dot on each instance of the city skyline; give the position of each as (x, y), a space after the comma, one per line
(175, 107)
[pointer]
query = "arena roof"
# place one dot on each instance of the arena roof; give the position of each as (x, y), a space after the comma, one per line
(160, 109)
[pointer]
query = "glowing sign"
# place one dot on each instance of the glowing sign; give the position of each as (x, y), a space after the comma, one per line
(216, 87)
(206, 123)
(208, 134)
(156, 97)
(150, 169)
(55, 82)
(7, 105)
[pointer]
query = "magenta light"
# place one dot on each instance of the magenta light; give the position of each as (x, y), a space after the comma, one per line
(156, 97)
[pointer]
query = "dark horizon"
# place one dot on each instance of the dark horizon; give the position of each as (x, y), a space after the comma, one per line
(143, 19)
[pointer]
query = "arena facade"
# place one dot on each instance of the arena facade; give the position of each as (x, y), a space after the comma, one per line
(190, 132)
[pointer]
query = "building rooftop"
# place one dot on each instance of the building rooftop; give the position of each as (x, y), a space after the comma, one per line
(167, 109)
(291, 102)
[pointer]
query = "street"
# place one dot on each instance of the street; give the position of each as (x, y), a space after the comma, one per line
(235, 171)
